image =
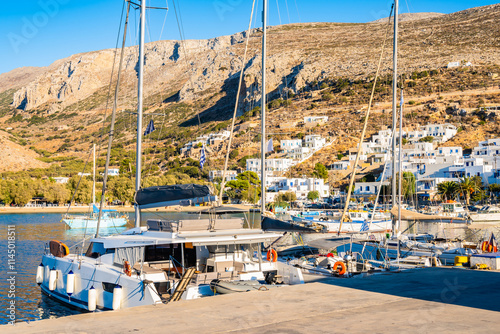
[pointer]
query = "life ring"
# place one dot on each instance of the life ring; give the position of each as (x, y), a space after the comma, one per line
(485, 246)
(342, 267)
(127, 269)
(272, 255)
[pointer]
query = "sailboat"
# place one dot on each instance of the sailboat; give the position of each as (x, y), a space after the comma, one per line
(164, 260)
(110, 218)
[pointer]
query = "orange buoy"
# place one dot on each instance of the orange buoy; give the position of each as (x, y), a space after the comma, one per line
(342, 267)
(272, 255)
(127, 269)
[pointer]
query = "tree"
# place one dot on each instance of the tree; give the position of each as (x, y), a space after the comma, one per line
(313, 195)
(408, 184)
(84, 192)
(428, 139)
(467, 187)
(447, 190)
(320, 171)
(494, 188)
(233, 154)
(121, 188)
(245, 187)
(283, 199)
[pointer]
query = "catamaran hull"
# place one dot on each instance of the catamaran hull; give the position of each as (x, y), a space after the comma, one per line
(134, 292)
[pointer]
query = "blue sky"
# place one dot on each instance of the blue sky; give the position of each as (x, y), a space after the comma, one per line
(38, 32)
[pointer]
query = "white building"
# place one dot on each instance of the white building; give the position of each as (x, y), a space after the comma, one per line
(113, 171)
(289, 145)
(440, 132)
(315, 142)
(61, 179)
(368, 188)
(340, 165)
(300, 186)
(272, 165)
(230, 175)
(315, 119)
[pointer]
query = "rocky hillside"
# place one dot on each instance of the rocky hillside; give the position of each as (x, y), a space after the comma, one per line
(411, 17)
(313, 68)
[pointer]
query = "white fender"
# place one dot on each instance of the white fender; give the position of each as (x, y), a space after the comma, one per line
(70, 283)
(92, 299)
(46, 273)
(52, 279)
(117, 297)
(39, 274)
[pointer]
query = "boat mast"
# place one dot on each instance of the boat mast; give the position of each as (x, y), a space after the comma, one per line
(93, 178)
(394, 109)
(263, 113)
(112, 125)
(138, 157)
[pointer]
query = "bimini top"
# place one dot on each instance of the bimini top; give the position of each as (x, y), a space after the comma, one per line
(180, 194)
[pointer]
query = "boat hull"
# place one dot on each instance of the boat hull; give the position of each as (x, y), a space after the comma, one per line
(91, 223)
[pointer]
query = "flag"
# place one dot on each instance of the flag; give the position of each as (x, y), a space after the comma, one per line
(402, 101)
(364, 226)
(202, 157)
(150, 128)
(493, 243)
(269, 146)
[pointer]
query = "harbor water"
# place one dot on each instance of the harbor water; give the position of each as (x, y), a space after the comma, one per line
(32, 233)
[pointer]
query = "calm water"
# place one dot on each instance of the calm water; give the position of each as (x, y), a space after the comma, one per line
(33, 231)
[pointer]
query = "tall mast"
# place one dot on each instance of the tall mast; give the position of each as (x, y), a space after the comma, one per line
(93, 178)
(263, 113)
(394, 99)
(138, 157)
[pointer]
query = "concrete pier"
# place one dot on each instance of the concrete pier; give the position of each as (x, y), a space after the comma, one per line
(441, 300)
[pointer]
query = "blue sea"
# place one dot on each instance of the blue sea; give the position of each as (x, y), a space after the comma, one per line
(32, 233)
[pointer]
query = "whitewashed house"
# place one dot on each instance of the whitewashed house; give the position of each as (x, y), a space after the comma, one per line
(300, 186)
(216, 173)
(289, 145)
(272, 165)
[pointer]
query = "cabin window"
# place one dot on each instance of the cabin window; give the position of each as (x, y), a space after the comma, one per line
(95, 250)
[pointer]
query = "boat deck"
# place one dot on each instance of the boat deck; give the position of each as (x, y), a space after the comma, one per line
(440, 300)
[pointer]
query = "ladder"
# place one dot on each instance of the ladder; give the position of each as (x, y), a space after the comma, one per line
(183, 283)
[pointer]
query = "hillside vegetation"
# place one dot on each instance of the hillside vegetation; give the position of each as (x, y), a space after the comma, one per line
(54, 114)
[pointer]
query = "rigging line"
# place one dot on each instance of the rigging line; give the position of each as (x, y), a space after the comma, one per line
(181, 33)
(112, 124)
(236, 105)
(287, 12)
(111, 79)
(353, 174)
(79, 180)
(164, 21)
(298, 13)
(278, 7)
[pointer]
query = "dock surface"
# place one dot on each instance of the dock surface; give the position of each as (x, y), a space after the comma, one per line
(442, 300)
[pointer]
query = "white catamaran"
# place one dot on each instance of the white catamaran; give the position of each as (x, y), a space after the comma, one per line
(165, 260)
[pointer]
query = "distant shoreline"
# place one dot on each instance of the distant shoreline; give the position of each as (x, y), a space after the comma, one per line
(119, 208)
